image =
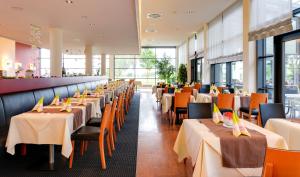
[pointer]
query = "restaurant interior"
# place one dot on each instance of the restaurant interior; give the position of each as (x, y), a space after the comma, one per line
(147, 88)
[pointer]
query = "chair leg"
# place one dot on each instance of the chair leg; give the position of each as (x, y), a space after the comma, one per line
(23, 149)
(72, 155)
(112, 141)
(115, 135)
(82, 147)
(86, 146)
(102, 155)
(118, 121)
(108, 145)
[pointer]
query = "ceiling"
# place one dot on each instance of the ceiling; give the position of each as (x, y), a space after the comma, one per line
(179, 19)
(110, 26)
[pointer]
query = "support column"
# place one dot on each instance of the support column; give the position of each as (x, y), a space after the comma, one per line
(188, 62)
(205, 64)
(56, 50)
(112, 67)
(88, 51)
(103, 64)
(249, 58)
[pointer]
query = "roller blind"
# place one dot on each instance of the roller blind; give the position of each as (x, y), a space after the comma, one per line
(215, 37)
(269, 18)
(192, 46)
(182, 54)
(200, 43)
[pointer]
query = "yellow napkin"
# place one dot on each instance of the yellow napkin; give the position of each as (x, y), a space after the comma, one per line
(55, 101)
(82, 101)
(77, 94)
(217, 116)
(67, 106)
(238, 126)
(39, 106)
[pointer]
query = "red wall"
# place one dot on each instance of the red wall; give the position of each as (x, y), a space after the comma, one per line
(26, 55)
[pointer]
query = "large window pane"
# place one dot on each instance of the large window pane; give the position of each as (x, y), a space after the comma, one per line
(124, 63)
(237, 73)
(124, 73)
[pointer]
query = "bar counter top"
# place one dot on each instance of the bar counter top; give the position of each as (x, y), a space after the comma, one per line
(19, 85)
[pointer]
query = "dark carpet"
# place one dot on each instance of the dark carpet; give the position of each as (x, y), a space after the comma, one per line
(121, 164)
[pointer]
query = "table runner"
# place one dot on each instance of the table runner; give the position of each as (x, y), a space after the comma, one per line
(77, 120)
(241, 152)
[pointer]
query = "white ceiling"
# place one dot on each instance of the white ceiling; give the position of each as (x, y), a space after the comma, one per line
(176, 24)
(117, 22)
(115, 30)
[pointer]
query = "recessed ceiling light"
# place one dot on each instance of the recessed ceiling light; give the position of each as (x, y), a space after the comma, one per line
(69, 1)
(153, 15)
(150, 30)
(92, 24)
(17, 8)
(190, 12)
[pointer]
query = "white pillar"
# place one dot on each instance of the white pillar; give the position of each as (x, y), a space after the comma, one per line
(88, 51)
(249, 58)
(188, 62)
(56, 49)
(103, 64)
(205, 64)
(112, 67)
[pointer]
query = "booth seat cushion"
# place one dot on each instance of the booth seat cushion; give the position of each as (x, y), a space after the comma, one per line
(2, 115)
(81, 87)
(72, 89)
(3, 127)
(17, 103)
(48, 95)
(93, 85)
(61, 91)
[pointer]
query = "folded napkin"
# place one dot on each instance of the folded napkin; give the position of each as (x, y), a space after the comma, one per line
(77, 94)
(67, 106)
(82, 101)
(85, 92)
(213, 90)
(39, 106)
(238, 126)
(217, 116)
(55, 101)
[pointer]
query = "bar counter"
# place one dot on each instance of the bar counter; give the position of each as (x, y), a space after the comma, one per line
(21, 85)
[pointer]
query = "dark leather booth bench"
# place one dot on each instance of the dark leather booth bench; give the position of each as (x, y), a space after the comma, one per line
(18, 96)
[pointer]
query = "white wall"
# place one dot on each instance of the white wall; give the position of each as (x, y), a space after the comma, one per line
(7, 55)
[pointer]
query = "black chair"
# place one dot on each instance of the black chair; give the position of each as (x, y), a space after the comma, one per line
(200, 111)
(271, 110)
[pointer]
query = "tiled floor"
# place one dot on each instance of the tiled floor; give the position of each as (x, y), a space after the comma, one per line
(156, 157)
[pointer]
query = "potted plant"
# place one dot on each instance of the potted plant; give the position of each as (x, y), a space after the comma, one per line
(182, 74)
(166, 70)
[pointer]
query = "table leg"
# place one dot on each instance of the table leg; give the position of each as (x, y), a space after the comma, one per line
(51, 156)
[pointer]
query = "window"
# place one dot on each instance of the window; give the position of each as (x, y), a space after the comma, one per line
(107, 66)
(237, 74)
(74, 64)
(97, 65)
(182, 56)
(265, 67)
(142, 67)
(45, 62)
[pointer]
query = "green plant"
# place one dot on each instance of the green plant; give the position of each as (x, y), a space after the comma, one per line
(182, 74)
(165, 70)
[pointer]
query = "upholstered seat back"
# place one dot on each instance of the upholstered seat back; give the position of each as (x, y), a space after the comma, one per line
(48, 95)
(72, 89)
(61, 91)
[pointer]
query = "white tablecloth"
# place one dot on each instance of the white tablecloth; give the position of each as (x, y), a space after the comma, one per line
(41, 128)
(290, 131)
(195, 140)
(207, 98)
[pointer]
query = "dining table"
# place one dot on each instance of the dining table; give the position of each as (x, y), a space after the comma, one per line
(167, 101)
(196, 141)
(289, 129)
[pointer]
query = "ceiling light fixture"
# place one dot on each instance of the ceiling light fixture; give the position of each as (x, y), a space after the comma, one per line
(150, 30)
(189, 12)
(92, 24)
(69, 1)
(153, 15)
(17, 8)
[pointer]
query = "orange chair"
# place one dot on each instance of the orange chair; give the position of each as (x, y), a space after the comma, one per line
(221, 89)
(281, 163)
(112, 130)
(180, 104)
(187, 90)
(225, 102)
(120, 110)
(253, 109)
(197, 86)
(90, 133)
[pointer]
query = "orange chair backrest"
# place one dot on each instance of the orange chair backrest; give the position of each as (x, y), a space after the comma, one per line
(221, 89)
(105, 120)
(113, 112)
(166, 90)
(187, 90)
(197, 86)
(182, 99)
(281, 163)
(226, 101)
(258, 98)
